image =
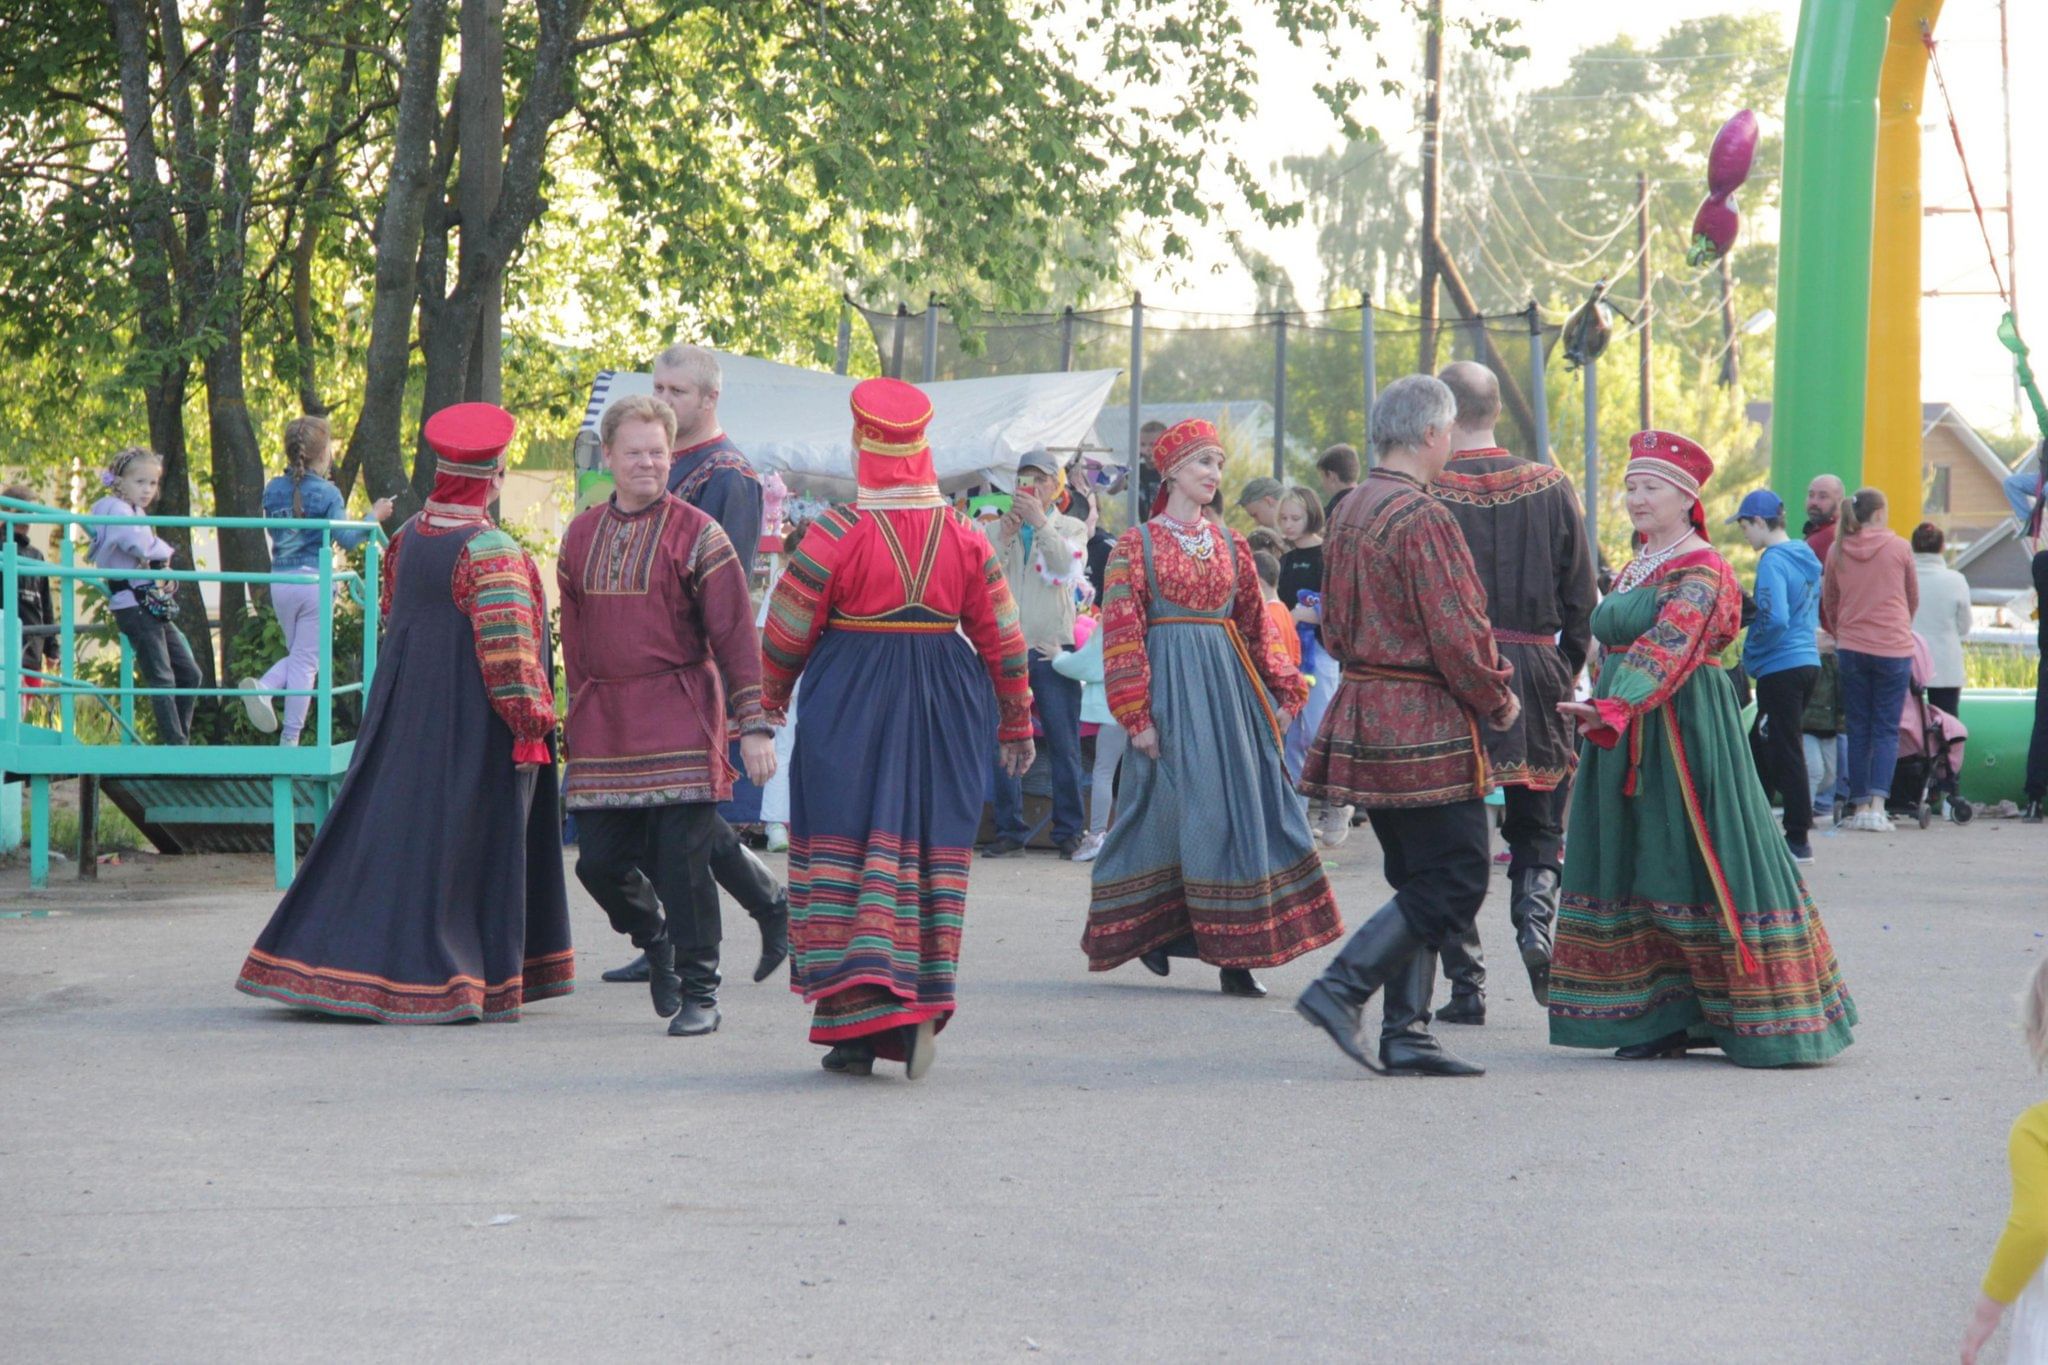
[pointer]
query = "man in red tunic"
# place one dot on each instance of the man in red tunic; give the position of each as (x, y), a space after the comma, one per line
(654, 611)
(1403, 609)
(707, 471)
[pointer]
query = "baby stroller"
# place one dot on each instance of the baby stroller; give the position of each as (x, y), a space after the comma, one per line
(1930, 766)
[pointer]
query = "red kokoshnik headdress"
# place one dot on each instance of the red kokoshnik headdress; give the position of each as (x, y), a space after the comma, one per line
(1177, 445)
(892, 458)
(469, 443)
(1677, 461)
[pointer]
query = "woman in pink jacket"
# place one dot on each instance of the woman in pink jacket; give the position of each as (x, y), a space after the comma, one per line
(1868, 596)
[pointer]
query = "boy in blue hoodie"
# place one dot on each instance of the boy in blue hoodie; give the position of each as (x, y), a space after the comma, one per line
(1782, 657)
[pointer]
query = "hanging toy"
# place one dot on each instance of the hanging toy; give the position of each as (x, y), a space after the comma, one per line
(1586, 332)
(1715, 225)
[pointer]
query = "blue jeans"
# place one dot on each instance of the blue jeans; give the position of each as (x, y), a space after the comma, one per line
(1059, 711)
(1873, 694)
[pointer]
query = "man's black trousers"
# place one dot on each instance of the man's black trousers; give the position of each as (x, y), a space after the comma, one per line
(673, 845)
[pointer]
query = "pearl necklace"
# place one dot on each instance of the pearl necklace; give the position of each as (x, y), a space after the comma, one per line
(1198, 539)
(1647, 563)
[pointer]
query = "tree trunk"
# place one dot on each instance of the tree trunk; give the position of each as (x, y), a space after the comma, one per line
(158, 362)
(237, 456)
(450, 325)
(375, 447)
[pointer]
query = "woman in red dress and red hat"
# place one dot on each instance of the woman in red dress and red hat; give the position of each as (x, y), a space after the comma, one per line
(1210, 856)
(891, 763)
(1685, 923)
(434, 891)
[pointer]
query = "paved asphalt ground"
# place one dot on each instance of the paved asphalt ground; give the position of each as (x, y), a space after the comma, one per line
(1099, 1167)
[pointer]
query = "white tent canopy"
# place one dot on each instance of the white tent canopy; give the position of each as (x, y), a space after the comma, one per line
(796, 422)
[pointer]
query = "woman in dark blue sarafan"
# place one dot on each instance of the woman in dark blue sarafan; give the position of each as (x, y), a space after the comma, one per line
(434, 891)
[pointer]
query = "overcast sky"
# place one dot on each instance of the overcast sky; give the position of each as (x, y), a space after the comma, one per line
(1962, 362)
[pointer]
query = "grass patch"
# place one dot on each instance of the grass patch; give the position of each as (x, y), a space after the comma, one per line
(1999, 665)
(117, 833)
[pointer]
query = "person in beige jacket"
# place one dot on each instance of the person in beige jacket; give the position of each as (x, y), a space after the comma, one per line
(1044, 555)
(1943, 618)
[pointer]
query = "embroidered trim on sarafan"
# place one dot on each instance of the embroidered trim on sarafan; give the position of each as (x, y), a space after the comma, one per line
(883, 911)
(363, 995)
(1263, 922)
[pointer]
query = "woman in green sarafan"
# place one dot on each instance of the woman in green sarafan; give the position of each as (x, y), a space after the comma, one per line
(1684, 921)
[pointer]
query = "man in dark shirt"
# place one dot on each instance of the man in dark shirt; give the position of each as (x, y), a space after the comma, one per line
(708, 472)
(1339, 467)
(706, 469)
(1521, 520)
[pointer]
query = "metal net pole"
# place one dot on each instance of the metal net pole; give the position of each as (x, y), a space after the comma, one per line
(1592, 480)
(1280, 397)
(1133, 479)
(1539, 395)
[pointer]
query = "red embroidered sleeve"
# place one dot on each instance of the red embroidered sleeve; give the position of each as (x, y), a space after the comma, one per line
(387, 579)
(990, 619)
(1689, 599)
(1255, 623)
(1450, 600)
(800, 607)
(719, 585)
(498, 588)
(1126, 606)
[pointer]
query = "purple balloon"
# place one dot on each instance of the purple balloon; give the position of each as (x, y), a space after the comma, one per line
(1733, 153)
(1713, 230)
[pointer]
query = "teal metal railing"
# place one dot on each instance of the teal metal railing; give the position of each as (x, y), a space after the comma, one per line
(41, 751)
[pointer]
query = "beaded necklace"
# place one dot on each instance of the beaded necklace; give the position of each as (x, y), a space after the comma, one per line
(1197, 539)
(1645, 565)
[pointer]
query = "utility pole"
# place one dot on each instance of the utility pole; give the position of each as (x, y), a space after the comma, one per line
(1646, 312)
(2012, 283)
(1730, 372)
(1432, 179)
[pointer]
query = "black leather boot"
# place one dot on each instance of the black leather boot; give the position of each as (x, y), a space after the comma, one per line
(699, 1014)
(636, 970)
(774, 924)
(1406, 1046)
(1465, 968)
(1335, 1001)
(1160, 960)
(1240, 981)
(663, 984)
(1534, 911)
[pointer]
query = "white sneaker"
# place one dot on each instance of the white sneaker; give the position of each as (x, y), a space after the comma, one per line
(1335, 826)
(1880, 822)
(1091, 844)
(262, 714)
(778, 837)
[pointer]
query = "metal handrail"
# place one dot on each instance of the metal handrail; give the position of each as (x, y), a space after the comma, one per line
(67, 571)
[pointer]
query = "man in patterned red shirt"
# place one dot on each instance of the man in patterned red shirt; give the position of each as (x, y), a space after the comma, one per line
(707, 471)
(1404, 610)
(657, 639)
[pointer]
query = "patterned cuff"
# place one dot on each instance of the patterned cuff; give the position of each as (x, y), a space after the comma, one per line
(1615, 718)
(533, 751)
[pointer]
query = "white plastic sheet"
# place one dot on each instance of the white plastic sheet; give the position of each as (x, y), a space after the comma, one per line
(796, 422)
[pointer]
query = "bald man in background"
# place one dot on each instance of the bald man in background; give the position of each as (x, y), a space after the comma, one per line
(1522, 523)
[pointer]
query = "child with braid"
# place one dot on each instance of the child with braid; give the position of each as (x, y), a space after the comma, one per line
(302, 492)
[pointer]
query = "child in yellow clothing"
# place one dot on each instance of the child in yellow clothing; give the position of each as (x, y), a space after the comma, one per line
(2019, 1266)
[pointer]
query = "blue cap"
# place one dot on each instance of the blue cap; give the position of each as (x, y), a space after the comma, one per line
(1760, 503)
